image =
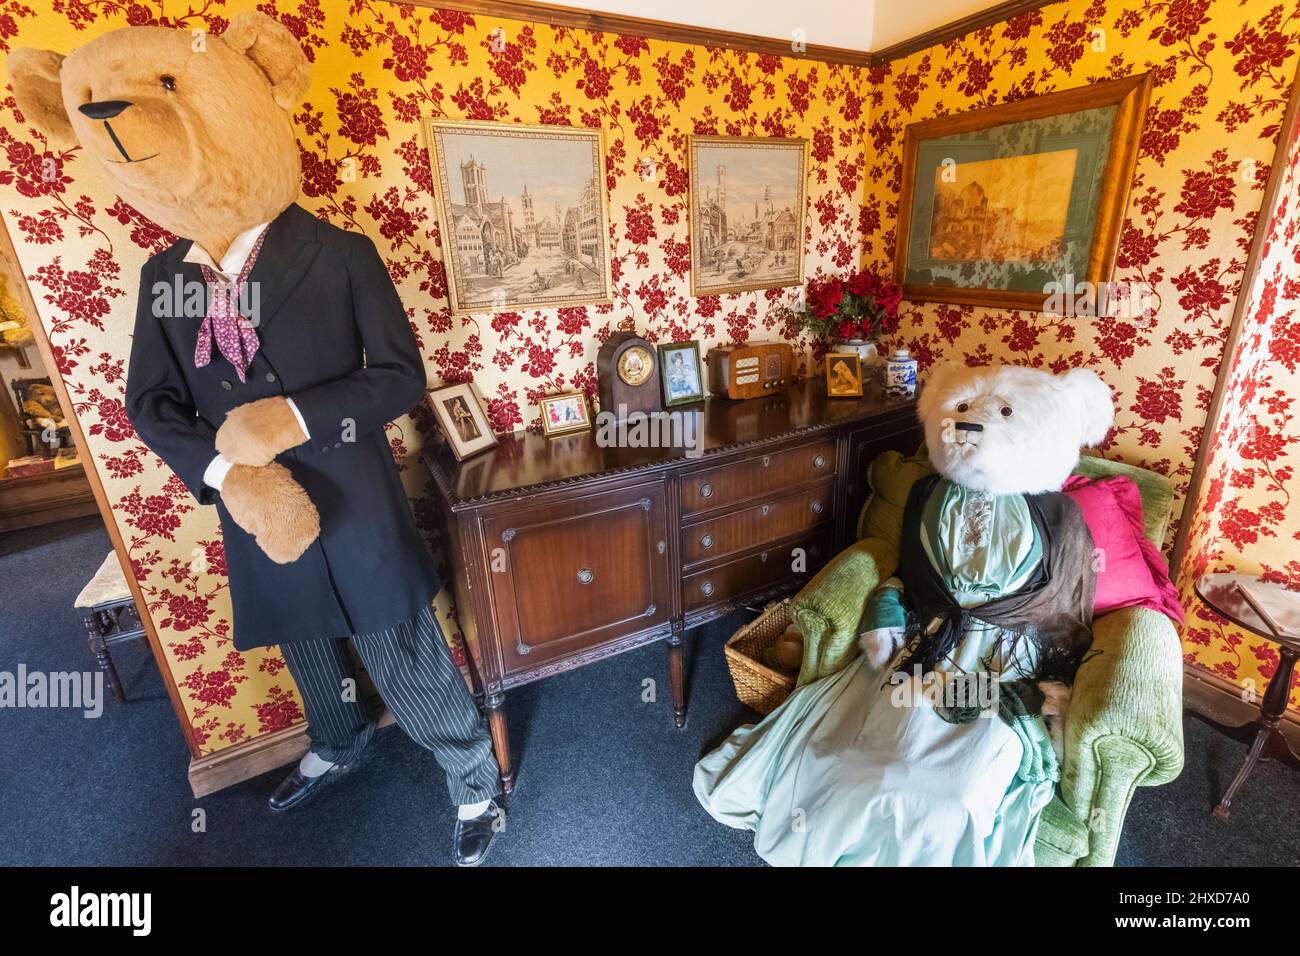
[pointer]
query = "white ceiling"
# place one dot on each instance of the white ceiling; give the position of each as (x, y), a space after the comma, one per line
(851, 24)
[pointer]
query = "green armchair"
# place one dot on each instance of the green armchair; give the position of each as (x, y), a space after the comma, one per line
(1124, 727)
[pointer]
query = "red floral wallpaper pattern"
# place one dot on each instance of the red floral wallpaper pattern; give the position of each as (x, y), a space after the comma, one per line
(1222, 75)
(377, 69)
(1248, 510)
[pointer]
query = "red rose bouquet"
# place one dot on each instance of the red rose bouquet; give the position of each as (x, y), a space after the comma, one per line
(861, 306)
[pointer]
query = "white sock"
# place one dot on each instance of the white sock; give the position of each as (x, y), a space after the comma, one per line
(468, 811)
(313, 766)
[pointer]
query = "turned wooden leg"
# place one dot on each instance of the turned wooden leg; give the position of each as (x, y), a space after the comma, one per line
(1267, 738)
(501, 740)
(99, 649)
(677, 679)
(1224, 808)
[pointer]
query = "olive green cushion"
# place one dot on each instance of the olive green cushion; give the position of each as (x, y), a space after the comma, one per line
(890, 477)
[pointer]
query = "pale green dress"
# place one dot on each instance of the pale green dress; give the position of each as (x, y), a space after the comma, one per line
(853, 771)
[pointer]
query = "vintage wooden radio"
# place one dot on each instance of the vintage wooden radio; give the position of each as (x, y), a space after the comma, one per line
(750, 371)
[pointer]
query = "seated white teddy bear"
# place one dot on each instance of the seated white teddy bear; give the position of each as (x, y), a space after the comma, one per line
(931, 748)
(1001, 431)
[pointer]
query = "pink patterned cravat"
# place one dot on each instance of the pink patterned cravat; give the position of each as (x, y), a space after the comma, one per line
(233, 331)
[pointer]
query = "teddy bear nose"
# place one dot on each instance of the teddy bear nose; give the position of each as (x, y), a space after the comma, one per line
(104, 109)
(969, 427)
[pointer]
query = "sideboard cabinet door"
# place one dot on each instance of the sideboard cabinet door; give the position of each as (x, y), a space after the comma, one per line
(578, 573)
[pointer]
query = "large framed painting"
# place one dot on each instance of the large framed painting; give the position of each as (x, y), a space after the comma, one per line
(523, 214)
(746, 213)
(1008, 205)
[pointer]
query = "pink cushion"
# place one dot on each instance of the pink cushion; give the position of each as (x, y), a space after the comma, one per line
(1131, 572)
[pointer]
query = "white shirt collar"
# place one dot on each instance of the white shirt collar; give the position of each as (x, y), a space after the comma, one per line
(235, 256)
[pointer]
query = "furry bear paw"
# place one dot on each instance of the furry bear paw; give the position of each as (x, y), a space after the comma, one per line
(271, 506)
(880, 645)
(255, 433)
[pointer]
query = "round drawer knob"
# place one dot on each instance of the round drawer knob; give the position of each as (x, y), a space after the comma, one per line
(707, 588)
(819, 462)
(706, 541)
(706, 490)
(585, 576)
(817, 507)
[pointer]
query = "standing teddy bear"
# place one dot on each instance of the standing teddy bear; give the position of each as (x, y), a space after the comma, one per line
(270, 351)
(931, 748)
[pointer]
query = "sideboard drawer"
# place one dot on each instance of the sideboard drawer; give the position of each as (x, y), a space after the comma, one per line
(578, 573)
(754, 477)
(770, 521)
(755, 571)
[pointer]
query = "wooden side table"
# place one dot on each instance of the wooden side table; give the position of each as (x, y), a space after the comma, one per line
(1272, 612)
(111, 618)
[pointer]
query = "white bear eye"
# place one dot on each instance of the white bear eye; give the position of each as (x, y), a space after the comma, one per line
(1006, 411)
(169, 83)
(963, 407)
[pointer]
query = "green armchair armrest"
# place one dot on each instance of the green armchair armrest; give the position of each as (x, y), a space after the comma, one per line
(1124, 728)
(829, 607)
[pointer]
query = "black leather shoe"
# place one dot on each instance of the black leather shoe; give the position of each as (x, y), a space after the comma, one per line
(297, 788)
(474, 837)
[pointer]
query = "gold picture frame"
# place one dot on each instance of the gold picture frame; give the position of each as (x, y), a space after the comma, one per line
(843, 374)
(772, 236)
(460, 415)
(1048, 179)
(562, 423)
(504, 249)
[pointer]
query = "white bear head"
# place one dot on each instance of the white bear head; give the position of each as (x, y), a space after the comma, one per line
(1011, 430)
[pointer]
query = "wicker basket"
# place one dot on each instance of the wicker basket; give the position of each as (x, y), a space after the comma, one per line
(758, 686)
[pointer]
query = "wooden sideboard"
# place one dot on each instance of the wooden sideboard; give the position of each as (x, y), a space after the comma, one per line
(564, 552)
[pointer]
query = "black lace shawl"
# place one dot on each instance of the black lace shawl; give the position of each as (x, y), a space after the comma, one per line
(1053, 610)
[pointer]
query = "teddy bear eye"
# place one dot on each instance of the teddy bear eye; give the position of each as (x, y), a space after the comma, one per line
(169, 83)
(963, 407)
(1006, 411)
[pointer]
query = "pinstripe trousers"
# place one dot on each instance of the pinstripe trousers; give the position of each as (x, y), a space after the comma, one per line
(412, 669)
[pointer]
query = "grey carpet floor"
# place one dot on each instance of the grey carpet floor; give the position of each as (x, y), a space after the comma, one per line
(604, 777)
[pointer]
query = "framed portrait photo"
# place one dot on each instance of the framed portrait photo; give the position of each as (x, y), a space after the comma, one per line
(843, 374)
(746, 213)
(460, 415)
(1009, 205)
(565, 413)
(681, 373)
(523, 214)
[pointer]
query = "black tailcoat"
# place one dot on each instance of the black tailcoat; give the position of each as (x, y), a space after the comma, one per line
(335, 339)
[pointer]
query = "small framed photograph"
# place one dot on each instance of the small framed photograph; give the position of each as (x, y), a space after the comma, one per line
(462, 419)
(681, 373)
(565, 413)
(843, 374)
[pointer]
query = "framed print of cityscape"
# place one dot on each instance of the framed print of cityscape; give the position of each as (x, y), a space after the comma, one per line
(1005, 206)
(746, 213)
(523, 214)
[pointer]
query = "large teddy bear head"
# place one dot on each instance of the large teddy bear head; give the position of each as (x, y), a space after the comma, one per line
(191, 130)
(1011, 430)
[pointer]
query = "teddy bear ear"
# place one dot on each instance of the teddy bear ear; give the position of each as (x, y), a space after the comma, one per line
(38, 90)
(936, 381)
(1095, 404)
(275, 51)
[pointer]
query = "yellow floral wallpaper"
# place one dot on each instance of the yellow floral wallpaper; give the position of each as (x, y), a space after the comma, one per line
(1222, 73)
(378, 68)
(1248, 509)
